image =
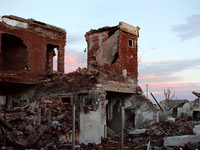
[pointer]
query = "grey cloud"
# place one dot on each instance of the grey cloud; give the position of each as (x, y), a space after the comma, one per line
(75, 38)
(168, 66)
(165, 69)
(189, 30)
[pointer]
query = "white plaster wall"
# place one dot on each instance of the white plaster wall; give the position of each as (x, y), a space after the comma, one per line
(186, 109)
(1, 19)
(101, 37)
(143, 114)
(15, 23)
(91, 128)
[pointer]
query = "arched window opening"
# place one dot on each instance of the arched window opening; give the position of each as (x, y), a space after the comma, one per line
(14, 56)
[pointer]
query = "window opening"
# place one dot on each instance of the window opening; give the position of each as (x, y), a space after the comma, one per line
(130, 43)
(66, 100)
(51, 58)
(55, 59)
(88, 101)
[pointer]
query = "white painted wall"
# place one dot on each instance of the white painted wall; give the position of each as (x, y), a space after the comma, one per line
(91, 128)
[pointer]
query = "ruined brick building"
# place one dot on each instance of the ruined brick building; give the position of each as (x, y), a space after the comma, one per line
(27, 48)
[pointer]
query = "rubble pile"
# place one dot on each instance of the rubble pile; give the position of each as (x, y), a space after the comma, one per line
(39, 125)
(151, 136)
(44, 123)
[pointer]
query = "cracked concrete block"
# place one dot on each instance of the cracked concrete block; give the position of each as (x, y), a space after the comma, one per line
(196, 130)
(138, 132)
(180, 140)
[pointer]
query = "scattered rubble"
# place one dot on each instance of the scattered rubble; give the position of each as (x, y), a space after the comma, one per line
(39, 125)
(44, 123)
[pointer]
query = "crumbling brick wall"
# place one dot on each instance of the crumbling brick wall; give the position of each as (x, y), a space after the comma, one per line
(110, 51)
(35, 36)
(127, 55)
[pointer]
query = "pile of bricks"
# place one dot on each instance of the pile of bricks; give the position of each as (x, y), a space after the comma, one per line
(39, 125)
(42, 124)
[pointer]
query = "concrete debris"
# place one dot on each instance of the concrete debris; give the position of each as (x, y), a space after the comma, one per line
(138, 132)
(27, 135)
(196, 130)
(181, 140)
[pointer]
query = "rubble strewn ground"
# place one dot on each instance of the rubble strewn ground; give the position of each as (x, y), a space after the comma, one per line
(42, 124)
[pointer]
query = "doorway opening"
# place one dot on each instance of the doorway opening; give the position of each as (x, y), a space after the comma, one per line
(113, 111)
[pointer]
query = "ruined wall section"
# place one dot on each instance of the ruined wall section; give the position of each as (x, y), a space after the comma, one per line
(109, 51)
(145, 110)
(94, 41)
(35, 35)
(127, 56)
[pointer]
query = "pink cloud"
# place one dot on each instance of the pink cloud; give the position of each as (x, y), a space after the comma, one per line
(73, 62)
(182, 90)
(149, 77)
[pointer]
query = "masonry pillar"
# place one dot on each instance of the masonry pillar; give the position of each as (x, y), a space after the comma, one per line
(61, 57)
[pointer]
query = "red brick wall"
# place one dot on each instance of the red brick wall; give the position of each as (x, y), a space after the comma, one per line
(36, 45)
(128, 55)
(127, 58)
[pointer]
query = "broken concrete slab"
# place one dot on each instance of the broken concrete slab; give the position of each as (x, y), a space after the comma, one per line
(196, 130)
(180, 140)
(138, 132)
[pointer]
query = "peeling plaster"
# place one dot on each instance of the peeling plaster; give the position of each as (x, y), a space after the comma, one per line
(101, 37)
(15, 23)
(108, 49)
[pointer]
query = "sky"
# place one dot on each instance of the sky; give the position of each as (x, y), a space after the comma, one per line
(168, 43)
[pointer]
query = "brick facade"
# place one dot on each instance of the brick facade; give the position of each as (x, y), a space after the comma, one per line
(35, 36)
(109, 50)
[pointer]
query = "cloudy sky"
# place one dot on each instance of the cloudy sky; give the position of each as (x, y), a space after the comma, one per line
(168, 46)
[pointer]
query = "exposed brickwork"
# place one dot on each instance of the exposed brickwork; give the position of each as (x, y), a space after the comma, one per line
(126, 59)
(128, 55)
(35, 37)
